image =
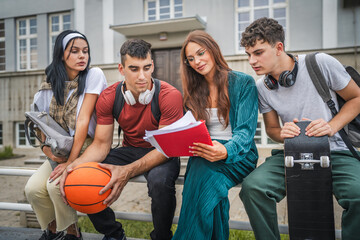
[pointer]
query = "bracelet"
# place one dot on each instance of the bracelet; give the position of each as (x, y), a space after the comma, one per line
(42, 146)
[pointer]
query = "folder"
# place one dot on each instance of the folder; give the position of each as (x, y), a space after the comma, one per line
(175, 139)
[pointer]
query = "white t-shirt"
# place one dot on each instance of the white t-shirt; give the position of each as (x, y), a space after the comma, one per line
(302, 99)
(215, 127)
(95, 84)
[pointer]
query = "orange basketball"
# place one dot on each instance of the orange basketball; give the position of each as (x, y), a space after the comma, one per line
(82, 187)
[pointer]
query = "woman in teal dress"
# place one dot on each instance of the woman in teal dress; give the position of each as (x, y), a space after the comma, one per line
(227, 101)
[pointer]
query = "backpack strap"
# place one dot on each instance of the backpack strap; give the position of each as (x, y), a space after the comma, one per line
(118, 106)
(353, 74)
(120, 101)
(320, 84)
(155, 107)
(319, 81)
(29, 129)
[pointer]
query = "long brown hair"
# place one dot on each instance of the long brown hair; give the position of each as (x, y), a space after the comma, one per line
(195, 87)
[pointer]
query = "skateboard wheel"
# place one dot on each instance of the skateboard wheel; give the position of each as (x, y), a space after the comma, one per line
(324, 161)
(289, 161)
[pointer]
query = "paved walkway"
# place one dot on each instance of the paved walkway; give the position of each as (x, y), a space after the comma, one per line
(18, 233)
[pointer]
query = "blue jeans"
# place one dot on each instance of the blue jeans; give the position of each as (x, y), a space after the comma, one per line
(161, 189)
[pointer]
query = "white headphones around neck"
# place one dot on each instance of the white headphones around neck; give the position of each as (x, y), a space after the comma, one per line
(144, 97)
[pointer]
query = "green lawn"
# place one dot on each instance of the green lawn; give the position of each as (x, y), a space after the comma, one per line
(138, 229)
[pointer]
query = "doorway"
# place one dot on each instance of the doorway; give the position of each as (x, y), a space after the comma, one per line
(167, 66)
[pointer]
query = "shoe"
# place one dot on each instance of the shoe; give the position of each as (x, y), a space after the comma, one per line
(72, 237)
(111, 238)
(47, 235)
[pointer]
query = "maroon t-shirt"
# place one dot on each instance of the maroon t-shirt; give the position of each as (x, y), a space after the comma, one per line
(135, 119)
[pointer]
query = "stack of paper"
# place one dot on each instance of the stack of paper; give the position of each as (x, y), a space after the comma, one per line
(175, 139)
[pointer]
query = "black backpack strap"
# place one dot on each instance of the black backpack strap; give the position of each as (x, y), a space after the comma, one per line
(354, 74)
(155, 107)
(118, 106)
(319, 81)
(320, 84)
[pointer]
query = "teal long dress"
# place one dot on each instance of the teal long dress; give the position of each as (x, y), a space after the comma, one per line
(205, 206)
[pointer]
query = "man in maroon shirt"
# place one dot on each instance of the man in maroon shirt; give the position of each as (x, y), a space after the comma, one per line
(136, 156)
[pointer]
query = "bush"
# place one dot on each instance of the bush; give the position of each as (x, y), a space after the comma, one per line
(7, 152)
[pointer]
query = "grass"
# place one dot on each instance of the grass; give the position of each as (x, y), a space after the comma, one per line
(138, 229)
(7, 152)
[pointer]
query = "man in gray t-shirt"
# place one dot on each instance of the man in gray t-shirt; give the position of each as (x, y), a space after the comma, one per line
(287, 92)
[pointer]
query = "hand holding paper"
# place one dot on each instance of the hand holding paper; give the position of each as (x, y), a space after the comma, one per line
(175, 139)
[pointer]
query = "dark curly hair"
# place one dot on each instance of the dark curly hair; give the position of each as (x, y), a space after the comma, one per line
(263, 29)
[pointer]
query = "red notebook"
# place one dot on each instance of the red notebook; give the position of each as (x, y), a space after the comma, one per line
(175, 141)
(177, 144)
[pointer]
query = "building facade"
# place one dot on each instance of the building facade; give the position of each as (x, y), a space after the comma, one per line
(28, 32)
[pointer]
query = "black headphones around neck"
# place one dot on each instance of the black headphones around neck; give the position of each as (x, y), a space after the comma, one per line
(286, 78)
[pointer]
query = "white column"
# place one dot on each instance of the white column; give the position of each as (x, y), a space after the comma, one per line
(329, 23)
(79, 15)
(108, 34)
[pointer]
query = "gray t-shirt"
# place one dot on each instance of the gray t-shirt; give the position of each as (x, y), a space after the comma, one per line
(302, 99)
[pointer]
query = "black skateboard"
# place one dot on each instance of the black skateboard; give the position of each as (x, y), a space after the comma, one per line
(309, 187)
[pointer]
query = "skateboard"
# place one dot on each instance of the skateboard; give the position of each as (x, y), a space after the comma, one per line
(309, 187)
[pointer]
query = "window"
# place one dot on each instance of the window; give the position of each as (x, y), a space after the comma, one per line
(27, 43)
(163, 9)
(261, 137)
(257, 136)
(57, 23)
(249, 10)
(1, 134)
(21, 140)
(2, 45)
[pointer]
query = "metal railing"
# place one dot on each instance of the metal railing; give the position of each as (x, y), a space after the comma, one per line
(24, 171)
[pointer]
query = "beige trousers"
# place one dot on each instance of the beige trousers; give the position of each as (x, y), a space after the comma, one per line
(46, 201)
(45, 198)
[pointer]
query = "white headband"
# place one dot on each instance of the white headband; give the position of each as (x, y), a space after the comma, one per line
(70, 36)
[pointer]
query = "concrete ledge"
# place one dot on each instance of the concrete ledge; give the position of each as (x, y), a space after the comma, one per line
(25, 171)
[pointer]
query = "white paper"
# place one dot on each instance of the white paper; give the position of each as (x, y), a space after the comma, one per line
(186, 122)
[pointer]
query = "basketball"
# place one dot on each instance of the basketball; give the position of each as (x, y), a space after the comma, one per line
(82, 187)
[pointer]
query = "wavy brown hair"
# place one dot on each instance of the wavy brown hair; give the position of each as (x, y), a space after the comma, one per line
(195, 87)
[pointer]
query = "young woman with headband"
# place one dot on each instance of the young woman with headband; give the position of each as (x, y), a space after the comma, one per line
(69, 95)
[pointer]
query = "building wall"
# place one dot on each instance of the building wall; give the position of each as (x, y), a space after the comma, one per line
(16, 95)
(348, 25)
(322, 25)
(93, 29)
(11, 10)
(10, 44)
(18, 88)
(305, 25)
(219, 19)
(124, 14)
(16, 8)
